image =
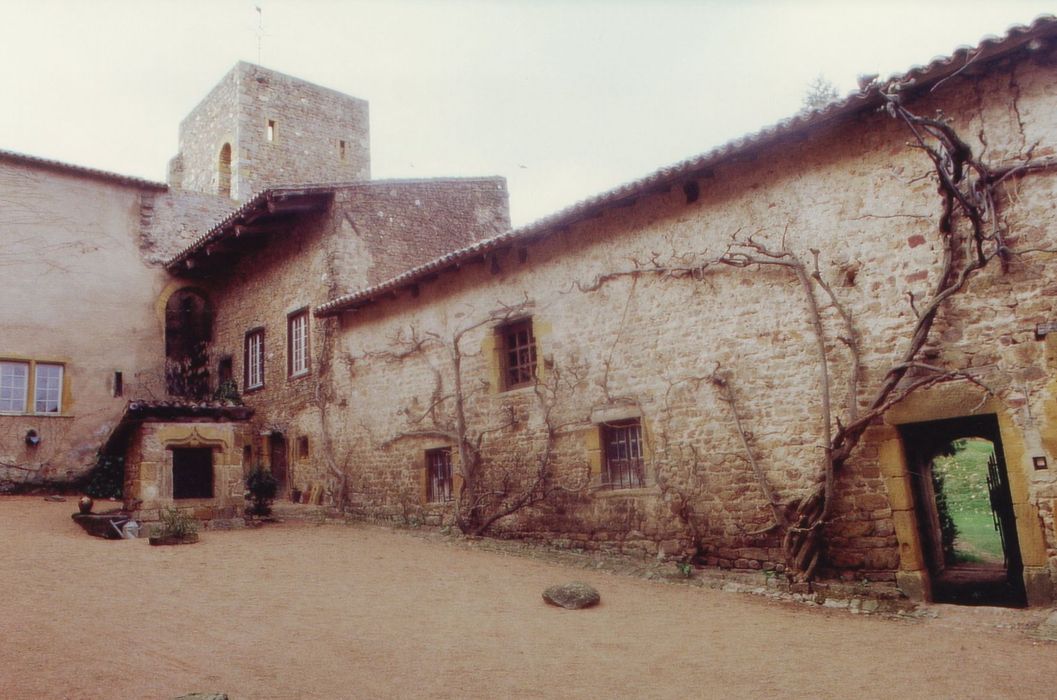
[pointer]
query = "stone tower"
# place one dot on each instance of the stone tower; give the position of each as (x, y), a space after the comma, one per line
(259, 128)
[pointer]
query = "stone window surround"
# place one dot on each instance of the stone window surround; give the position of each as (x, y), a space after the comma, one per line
(524, 371)
(594, 444)
(623, 472)
(31, 387)
(253, 359)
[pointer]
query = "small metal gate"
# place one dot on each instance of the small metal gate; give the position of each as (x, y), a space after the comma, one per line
(1001, 506)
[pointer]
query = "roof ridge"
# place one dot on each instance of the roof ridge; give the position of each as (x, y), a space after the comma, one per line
(6, 154)
(915, 77)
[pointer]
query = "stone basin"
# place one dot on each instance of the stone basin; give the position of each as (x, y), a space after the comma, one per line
(106, 525)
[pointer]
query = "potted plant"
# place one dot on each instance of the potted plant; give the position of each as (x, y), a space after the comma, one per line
(177, 527)
(261, 487)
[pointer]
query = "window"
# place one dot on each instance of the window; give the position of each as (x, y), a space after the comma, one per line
(224, 371)
(623, 467)
(22, 379)
(224, 171)
(119, 384)
(341, 149)
(192, 472)
(270, 132)
(302, 447)
(14, 382)
(47, 388)
(438, 475)
(254, 360)
(518, 354)
(297, 343)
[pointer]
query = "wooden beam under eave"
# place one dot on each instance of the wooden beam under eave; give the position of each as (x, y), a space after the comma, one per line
(291, 207)
(249, 230)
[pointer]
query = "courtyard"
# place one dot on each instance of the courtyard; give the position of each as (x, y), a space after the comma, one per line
(303, 610)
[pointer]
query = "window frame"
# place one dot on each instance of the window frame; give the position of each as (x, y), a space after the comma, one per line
(33, 383)
(292, 319)
(522, 372)
(629, 435)
(445, 481)
(250, 353)
(37, 387)
(27, 364)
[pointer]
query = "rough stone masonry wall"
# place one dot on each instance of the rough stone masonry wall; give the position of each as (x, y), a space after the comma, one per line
(369, 229)
(148, 487)
(310, 122)
(853, 190)
(387, 227)
(211, 124)
(76, 292)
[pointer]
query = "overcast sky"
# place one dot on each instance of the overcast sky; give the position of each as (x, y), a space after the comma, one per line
(565, 98)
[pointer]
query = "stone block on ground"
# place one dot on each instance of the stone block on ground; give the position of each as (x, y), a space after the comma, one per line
(1048, 628)
(573, 596)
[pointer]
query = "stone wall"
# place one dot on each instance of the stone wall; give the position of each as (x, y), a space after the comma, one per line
(77, 293)
(148, 485)
(309, 124)
(851, 189)
(371, 231)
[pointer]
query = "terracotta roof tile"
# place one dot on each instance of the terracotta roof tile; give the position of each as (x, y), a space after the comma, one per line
(990, 47)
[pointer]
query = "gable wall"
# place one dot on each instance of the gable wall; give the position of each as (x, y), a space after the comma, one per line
(76, 292)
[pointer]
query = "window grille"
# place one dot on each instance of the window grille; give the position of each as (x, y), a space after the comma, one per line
(438, 477)
(624, 468)
(518, 354)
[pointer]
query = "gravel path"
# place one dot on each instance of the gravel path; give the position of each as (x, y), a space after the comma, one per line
(356, 611)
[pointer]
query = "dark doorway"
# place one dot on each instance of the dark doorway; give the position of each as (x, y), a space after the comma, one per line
(188, 330)
(192, 472)
(965, 511)
(277, 445)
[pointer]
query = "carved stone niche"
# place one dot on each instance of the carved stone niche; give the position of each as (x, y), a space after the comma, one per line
(190, 465)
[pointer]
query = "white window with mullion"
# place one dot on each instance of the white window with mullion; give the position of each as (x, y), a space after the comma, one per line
(47, 388)
(297, 343)
(14, 383)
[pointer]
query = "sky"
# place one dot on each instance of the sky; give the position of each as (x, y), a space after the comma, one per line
(564, 98)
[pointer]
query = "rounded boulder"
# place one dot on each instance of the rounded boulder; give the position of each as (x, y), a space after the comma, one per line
(573, 596)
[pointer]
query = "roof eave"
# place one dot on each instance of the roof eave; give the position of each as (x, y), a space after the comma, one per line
(870, 97)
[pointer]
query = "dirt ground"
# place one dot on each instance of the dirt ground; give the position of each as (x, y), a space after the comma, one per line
(356, 611)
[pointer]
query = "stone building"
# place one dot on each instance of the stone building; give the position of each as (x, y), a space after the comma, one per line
(648, 370)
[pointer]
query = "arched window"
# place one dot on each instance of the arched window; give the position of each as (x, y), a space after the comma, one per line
(224, 171)
(188, 330)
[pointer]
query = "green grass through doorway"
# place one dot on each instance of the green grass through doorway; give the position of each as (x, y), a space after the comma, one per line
(965, 485)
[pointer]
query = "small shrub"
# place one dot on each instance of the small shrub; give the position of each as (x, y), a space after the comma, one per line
(106, 480)
(262, 487)
(228, 391)
(176, 523)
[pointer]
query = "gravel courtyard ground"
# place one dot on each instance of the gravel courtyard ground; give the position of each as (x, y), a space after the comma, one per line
(300, 610)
